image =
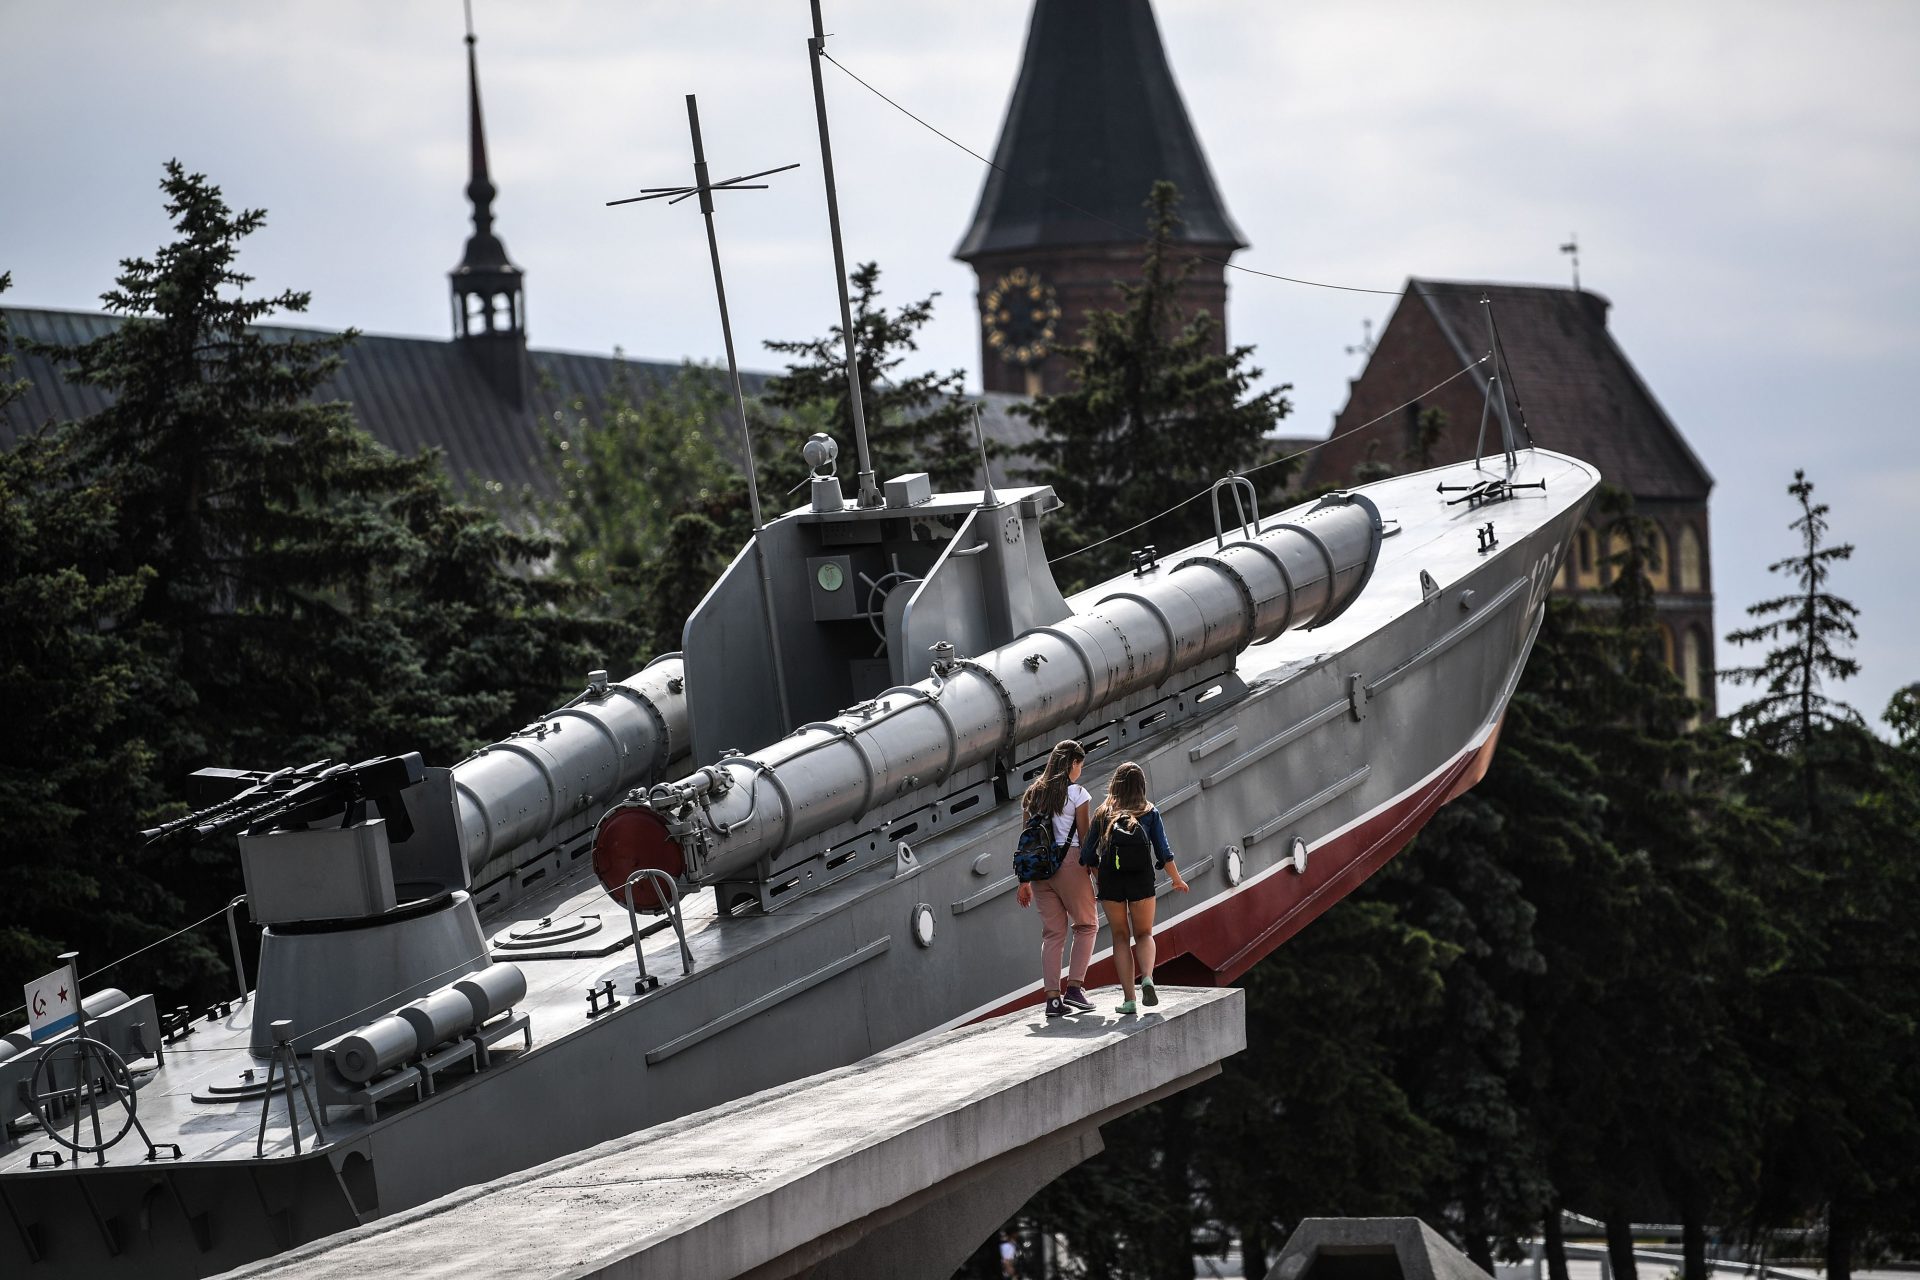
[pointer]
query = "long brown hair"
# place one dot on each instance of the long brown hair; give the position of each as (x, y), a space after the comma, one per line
(1126, 794)
(1048, 792)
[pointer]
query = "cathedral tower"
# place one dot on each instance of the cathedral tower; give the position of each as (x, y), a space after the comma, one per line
(1095, 120)
(489, 294)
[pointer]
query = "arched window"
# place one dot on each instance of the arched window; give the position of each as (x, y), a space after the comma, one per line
(1657, 557)
(1585, 572)
(1693, 663)
(1616, 546)
(1666, 648)
(1693, 575)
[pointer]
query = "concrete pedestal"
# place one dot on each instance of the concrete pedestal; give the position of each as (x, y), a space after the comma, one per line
(898, 1165)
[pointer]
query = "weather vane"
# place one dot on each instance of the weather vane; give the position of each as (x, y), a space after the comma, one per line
(1572, 249)
(704, 188)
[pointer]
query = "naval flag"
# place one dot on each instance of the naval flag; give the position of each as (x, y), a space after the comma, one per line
(52, 1004)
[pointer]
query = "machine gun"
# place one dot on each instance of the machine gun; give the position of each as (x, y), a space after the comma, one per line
(294, 798)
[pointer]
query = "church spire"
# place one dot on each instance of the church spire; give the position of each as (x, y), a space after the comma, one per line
(1095, 120)
(489, 303)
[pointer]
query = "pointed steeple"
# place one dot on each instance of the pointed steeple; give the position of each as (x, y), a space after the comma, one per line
(1095, 121)
(489, 301)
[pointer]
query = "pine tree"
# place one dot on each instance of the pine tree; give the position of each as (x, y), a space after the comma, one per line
(307, 593)
(75, 772)
(1155, 416)
(921, 422)
(644, 488)
(1835, 1018)
(1808, 626)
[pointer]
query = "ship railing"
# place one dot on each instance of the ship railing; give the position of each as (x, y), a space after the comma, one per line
(669, 897)
(1244, 498)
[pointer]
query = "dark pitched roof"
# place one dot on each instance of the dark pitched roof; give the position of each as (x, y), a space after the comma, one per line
(1095, 119)
(410, 393)
(1581, 394)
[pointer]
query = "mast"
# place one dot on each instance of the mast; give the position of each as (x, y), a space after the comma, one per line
(816, 48)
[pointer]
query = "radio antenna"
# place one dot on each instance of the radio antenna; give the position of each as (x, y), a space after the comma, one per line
(705, 188)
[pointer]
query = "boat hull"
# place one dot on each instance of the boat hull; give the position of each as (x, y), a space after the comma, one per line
(1341, 741)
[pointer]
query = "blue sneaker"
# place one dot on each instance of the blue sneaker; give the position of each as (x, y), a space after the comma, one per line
(1148, 996)
(1076, 1001)
(1127, 1009)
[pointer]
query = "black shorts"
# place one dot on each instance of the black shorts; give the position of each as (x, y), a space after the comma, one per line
(1126, 886)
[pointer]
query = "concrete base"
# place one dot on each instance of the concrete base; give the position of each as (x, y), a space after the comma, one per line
(1371, 1249)
(899, 1165)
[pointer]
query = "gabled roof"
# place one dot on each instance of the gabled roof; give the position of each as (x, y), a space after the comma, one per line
(410, 393)
(1096, 119)
(1581, 394)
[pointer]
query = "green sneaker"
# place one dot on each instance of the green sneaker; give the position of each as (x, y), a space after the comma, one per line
(1127, 1009)
(1148, 996)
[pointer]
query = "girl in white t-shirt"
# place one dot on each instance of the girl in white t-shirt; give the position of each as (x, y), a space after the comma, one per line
(1066, 900)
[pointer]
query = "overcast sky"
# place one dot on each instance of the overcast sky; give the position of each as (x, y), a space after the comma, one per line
(1744, 179)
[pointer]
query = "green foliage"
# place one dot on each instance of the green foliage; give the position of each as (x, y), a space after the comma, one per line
(917, 423)
(1156, 416)
(644, 492)
(216, 570)
(1837, 1016)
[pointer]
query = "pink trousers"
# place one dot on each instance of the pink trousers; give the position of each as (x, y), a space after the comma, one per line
(1066, 902)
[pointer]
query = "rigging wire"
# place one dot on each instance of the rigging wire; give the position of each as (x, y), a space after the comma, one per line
(1130, 232)
(1274, 462)
(131, 954)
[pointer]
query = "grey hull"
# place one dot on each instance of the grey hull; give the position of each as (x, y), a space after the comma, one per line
(1285, 781)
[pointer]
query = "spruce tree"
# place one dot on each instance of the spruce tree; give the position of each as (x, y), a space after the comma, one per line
(1808, 627)
(76, 772)
(920, 422)
(307, 593)
(644, 487)
(1835, 1018)
(1155, 417)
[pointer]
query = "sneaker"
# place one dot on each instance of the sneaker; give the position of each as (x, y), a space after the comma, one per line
(1148, 996)
(1076, 1001)
(1056, 1007)
(1127, 1009)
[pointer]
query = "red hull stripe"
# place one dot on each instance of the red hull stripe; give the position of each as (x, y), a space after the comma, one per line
(1239, 929)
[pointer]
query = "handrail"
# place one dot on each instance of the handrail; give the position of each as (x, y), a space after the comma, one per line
(1234, 484)
(671, 907)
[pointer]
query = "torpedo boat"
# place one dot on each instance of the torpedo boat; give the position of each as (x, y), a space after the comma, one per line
(780, 850)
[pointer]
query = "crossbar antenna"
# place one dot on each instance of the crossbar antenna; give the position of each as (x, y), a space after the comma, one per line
(816, 49)
(705, 189)
(1572, 249)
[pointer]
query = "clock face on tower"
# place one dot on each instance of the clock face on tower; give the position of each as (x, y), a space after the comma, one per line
(1020, 315)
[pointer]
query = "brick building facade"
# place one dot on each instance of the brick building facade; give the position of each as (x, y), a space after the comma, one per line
(1580, 395)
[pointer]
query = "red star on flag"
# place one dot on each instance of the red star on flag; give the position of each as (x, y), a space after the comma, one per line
(63, 995)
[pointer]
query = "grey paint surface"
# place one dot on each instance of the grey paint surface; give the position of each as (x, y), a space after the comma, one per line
(1312, 735)
(720, 1193)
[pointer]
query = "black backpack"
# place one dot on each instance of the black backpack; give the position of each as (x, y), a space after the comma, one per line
(1036, 856)
(1126, 848)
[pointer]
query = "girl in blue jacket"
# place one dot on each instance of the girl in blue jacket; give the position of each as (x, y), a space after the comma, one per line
(1126, 843)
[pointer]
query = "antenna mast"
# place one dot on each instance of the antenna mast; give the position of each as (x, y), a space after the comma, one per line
(704, 188)
(1572, 249)
(869, 491)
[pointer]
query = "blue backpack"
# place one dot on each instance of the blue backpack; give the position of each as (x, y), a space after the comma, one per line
(1036, 856)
